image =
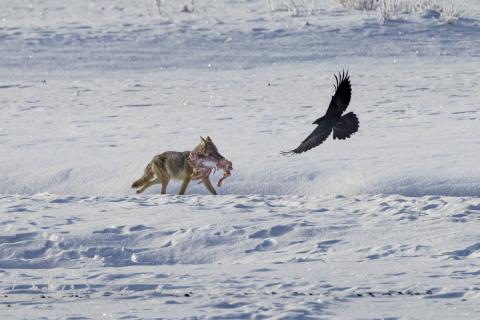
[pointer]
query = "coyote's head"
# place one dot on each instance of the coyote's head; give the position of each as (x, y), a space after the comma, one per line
(208, 148)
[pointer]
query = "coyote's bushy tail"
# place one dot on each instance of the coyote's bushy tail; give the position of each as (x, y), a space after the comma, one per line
(147, 176)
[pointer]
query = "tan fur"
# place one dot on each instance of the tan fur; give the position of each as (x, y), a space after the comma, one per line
(174, 165)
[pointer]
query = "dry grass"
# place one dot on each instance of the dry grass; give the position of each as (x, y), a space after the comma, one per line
(391, 9)
(294, 7)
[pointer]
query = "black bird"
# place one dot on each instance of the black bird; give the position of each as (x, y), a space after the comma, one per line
(342, 126)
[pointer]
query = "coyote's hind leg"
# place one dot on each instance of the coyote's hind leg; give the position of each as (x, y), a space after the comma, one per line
(161, 175)
(165, 181)
(184, 186)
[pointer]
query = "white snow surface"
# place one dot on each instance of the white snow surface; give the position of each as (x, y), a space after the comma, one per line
(383, 225)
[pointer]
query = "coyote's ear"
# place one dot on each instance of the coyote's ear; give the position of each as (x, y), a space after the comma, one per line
(203, 140)
(208, 139)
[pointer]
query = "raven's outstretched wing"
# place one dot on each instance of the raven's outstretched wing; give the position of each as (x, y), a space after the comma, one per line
(316, 138)
(343, 93)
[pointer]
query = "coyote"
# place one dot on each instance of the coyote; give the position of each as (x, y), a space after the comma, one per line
(184, 166)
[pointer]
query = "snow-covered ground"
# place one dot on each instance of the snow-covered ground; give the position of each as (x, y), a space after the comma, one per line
(238, 256)
(383, 225)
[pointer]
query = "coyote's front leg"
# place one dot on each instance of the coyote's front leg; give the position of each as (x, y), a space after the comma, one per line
(208, 185)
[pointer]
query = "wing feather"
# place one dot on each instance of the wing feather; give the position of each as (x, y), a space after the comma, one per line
(343, 94)
(320, 134)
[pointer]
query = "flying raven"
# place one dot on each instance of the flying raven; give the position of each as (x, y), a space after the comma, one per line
(343, 126)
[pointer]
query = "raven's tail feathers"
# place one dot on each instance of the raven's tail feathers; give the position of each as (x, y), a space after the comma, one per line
(347, 126)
